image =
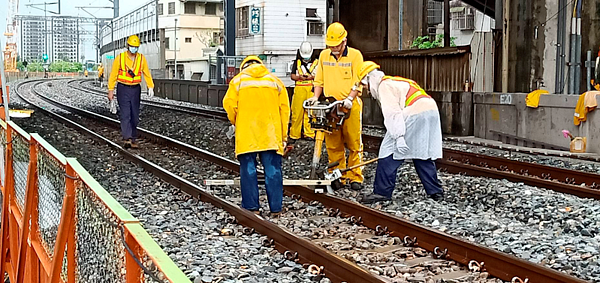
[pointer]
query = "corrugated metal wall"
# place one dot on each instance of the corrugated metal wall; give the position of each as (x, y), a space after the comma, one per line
(441, 69)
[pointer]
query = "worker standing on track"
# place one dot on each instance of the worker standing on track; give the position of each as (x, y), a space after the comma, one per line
(258, 107)
(85, 73)
(337, 76)
(100, 74)
(414, 131)
(303, 73)
(127, 70)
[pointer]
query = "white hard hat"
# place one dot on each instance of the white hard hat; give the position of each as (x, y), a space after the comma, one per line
(306, 49)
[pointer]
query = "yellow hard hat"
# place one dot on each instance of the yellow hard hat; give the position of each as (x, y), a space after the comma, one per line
(335, 34)
(366, 68)
(249, 59)
(133, 40)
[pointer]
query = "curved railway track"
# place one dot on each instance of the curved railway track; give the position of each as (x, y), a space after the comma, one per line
(442, 245)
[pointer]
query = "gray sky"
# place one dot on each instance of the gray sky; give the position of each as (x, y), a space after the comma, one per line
(68, 9)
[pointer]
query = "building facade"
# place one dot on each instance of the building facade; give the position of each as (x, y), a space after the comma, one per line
(32, 40)
(64, 39)
(193, 30)
(276, 28)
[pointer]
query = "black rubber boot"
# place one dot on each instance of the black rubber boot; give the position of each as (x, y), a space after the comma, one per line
(373, 198)
(437, 197)
(355, 186)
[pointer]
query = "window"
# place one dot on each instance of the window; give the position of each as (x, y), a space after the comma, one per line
(210, 9)
(463, 18)
(167, 43)
(188, 40)
(315, 28)
(171, 8)
(217, 38)
(190, 8)
(242, 21)
(435, 11)
(311, 13)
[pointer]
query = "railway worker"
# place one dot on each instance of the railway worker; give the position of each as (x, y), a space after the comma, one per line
(337, 76)
(85, 73)
(100, 74)
(303, 73)
(258, 107)
(127, 70)
(414, 131)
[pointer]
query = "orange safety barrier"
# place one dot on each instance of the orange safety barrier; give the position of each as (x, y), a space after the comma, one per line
(60, 225)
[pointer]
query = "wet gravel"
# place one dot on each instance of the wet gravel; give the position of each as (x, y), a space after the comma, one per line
(554, 229)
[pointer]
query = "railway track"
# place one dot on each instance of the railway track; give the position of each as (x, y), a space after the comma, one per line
(442, 245)
(582, 184)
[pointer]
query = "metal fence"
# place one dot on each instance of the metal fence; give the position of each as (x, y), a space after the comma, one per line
(60, 225)
(440, 69)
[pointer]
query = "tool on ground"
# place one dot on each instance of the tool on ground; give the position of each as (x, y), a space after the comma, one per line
(337, 173)
(325, 116)
(319, 185)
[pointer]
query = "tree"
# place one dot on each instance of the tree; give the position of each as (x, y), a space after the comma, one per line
(206, 37)
(423, 42)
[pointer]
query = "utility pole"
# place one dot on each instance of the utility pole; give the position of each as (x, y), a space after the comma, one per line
(175, 50)
(230, 27)
(446, 23)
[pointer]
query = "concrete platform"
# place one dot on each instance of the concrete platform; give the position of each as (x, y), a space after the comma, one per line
(515, 148)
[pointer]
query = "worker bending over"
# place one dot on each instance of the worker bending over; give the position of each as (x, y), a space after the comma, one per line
(337, 76)
(303, 73)
(126, 74)
(100, 74)
(257, 105)
(412, 121)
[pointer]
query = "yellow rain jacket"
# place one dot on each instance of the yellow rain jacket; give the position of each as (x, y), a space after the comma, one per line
(257, 104)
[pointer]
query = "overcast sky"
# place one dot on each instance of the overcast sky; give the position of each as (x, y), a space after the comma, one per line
(68, 8)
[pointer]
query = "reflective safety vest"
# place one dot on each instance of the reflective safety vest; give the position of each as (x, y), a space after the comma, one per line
(414, 93)
(124, 76)
(308, 72)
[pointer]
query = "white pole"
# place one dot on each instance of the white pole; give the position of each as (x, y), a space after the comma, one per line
(175, 50)
(4, 88)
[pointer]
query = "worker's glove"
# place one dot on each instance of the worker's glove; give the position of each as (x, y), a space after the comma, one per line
(112, 104)
(151, 92)
(401, 145)
(312, 101)
(348, 102)
(231, 133)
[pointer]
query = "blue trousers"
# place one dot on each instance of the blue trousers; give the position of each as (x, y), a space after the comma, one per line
(128, 98)
(387, 168)
(271, 161)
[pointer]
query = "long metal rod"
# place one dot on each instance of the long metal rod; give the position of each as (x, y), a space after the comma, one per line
(3, 85)
(497, 264)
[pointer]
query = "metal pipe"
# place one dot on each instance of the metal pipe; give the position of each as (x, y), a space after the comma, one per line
(588, 65)
(446, 22)
(578, 58)
(3, 85)
(572, 56)
(560, 49)
(175, 50)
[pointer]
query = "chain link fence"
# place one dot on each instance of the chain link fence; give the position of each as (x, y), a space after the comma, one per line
(109, 244)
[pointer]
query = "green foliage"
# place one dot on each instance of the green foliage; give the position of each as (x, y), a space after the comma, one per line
(424, 42)
(67, 67)
(35, 67)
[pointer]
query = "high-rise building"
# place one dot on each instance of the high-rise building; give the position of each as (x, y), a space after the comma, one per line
(33, 40)
(57, 38)
(64, 39)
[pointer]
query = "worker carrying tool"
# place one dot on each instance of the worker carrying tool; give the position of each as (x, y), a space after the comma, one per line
(258, 108)
(414, 131)
(85, 73)
(126, 74)
(337, 77)
(303, 73)
(100, 74)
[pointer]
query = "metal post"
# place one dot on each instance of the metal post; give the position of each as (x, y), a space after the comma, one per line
(175, 50)
(560, 48)
(578, 58)
(572, 55)
(4, 88)
(230, 27)
(588, 66)
(446, 23)
(505, 44)
(116, 8)
(45, 30)
(112, 39)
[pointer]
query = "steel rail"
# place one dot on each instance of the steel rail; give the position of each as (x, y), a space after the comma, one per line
(210, 113)
(543, 176)
(337, 268)
(497, 264)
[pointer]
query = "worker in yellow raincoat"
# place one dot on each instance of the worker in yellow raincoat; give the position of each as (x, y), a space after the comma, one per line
(337, 76)
(257, 105)
(303, 73)
(100, 74)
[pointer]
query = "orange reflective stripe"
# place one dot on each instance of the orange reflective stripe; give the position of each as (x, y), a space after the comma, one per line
(415, 93)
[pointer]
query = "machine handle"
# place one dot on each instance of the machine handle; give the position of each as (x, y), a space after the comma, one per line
(321, 107)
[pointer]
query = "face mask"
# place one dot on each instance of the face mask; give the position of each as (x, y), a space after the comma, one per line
(306, 58)
(335, 53)
(133, 49)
